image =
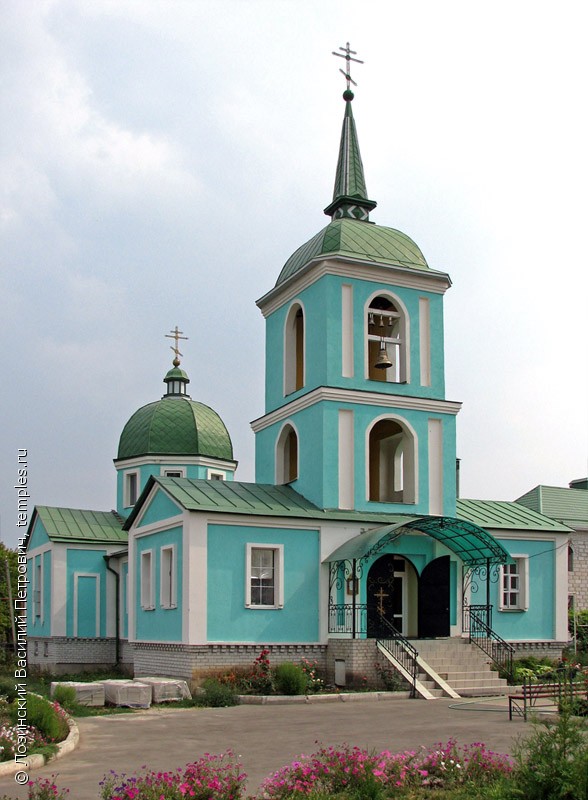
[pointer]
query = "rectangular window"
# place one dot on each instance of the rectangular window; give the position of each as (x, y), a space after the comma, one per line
(176, 472)
(147, 580)
(38, 594)
(215, 475)
(264, 580)
(131, 489)
(514, 585)
(167, 578)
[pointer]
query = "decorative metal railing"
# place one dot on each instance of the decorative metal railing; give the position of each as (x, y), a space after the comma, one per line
(400, 649)
(484, 612)
(482, 635)
(348, 618)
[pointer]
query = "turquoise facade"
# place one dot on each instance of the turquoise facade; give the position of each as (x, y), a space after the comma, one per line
(39, 606)
(323, 328)
(159, 623)
(145, 471)
(318, 475)
(228, 620)
(86, 577)
(160, 508)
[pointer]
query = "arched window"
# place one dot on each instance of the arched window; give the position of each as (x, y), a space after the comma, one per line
(386, 341)
(391, 463)
(294, 350)
(287, 455)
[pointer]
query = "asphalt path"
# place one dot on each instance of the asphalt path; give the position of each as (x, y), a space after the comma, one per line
(267, 737)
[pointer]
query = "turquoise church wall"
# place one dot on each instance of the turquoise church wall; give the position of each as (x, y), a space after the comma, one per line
(39, 625)
(318, 474)
(159, 624)
(193, 471)
(321, 303)
(227, 617)
(86, 565)
(124, 588)
(161, 507)
(538, 621)
(38, 536)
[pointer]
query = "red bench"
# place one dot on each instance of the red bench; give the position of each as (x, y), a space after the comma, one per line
(537, 695)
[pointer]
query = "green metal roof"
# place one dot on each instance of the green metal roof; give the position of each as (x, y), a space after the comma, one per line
(354, 239)
(175, 426)
(505, 515)
(79, 525)
(569, 506)
(473, 544)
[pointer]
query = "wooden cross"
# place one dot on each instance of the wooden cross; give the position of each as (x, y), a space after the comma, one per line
(348, 53)
(177, 335)
(381, 595)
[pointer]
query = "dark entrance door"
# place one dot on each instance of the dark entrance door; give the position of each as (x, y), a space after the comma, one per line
(434, 599)
(384, 595)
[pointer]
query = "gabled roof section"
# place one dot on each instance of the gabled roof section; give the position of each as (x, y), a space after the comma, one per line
(503, 515)
(569, 506)
(80, 525)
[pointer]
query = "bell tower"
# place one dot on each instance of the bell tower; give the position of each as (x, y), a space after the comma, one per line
(355, 409)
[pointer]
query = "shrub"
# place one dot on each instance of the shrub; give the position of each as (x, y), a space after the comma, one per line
(66, 697)
(390, 678)
(552, 764)
(216, 694)
(314, 682)
(8, 689)
(290, 679)
(48, 718)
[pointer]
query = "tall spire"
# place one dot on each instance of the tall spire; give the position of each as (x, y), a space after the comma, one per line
(350, 198)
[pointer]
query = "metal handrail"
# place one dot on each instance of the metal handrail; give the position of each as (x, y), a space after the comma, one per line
(401, 650)
(348, 618)
(490, 643)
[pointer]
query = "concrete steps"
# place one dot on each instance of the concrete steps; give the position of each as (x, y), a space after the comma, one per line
(464, 667)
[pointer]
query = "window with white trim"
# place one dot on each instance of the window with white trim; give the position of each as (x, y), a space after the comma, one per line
(147, 580)
(294, 350)
(131, 488)
(38, 593)
(215, 475)
(174, 472)
(264, 581)
(391, 463)
(167, 577)
(514, 585)
(287, 455)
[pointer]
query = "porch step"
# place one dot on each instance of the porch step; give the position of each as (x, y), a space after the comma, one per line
(461, 665)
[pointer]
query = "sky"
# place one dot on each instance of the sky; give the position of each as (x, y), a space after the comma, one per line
(160, 160)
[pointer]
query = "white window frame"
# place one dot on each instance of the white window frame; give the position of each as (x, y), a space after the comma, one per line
(127, 489)
(397, 345)
(214, 474)
(38, 589)
(522, 604)
(146, 587)
(278, 551)
(167, 577)
(166, 470)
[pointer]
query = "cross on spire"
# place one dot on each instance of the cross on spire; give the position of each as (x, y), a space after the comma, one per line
(346, 54)
(177, 335)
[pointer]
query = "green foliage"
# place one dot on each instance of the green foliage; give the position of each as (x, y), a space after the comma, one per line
(6, 612)
(66, 697)
(552, 764)
(580, 628)
(290, 679)
(216, 694)
(7, 688)
(44, 716)
(390, 678)
(531, 668)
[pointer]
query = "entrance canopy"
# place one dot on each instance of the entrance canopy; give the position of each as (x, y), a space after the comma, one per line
(474, 545)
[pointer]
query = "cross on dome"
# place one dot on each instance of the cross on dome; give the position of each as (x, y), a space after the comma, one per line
(177, 335)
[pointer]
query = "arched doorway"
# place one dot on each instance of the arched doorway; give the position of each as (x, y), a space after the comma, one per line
(434, 599)
(386, 591)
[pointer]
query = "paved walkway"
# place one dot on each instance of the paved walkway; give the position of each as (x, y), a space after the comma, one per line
(267, 737)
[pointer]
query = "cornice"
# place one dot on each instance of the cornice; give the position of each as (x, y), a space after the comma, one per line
(344, 267)
(173, 461)
(330, 394)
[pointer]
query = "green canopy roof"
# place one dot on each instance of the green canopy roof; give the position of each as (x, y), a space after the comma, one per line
(80, 525)
(474, 545)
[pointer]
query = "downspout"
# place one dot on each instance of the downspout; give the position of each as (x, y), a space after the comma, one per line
(117, 614)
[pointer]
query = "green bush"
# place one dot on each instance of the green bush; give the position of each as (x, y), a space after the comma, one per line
(290, 679)
(66, 697)
(552, 764)
(44, 717)
(7, 689)
(217, 695)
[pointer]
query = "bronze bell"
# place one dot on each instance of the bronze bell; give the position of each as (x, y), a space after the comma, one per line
(383, 362)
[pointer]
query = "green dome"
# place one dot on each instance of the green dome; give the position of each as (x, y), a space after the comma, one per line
(175, 426)
(356, 239)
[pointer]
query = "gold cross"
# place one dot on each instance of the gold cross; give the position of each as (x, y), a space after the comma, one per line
(347, 72)
(381, 595)
(177, 335)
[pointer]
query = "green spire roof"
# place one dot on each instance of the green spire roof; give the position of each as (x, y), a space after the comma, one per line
(350, 194)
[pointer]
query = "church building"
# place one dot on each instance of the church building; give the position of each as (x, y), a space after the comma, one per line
(352, 545)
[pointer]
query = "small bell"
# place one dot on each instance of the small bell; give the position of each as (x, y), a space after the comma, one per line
(383, 362)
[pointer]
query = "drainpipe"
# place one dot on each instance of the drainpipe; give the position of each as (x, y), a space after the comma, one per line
(117, 611)
(457, 468)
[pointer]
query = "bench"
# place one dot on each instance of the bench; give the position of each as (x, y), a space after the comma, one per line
(534, 695)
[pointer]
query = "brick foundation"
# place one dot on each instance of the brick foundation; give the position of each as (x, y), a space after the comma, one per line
(61, 654)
